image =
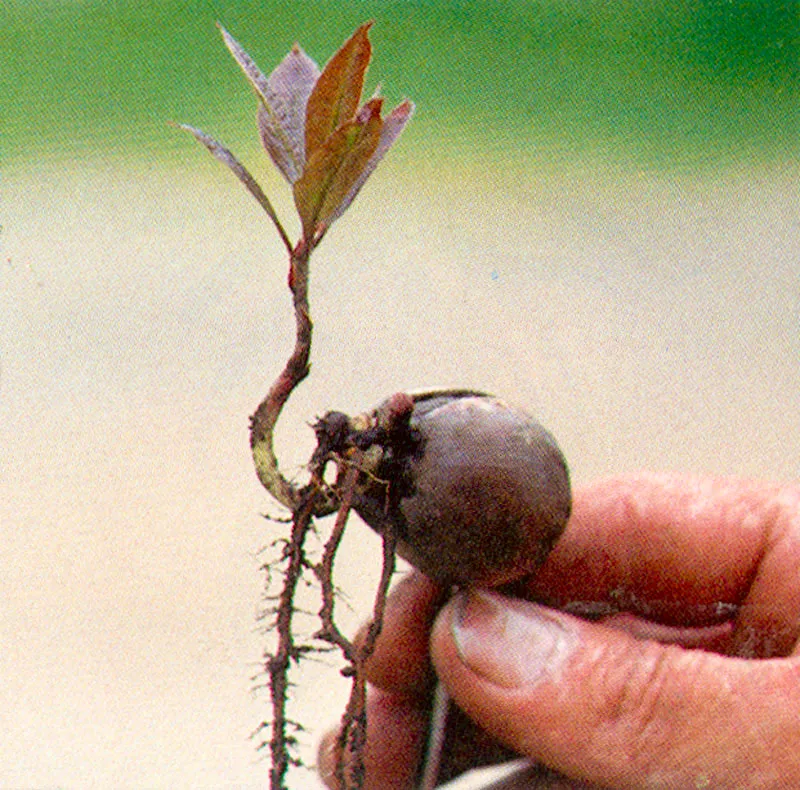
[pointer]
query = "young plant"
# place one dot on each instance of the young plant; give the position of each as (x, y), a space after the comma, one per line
(326, 143)
(465, 487)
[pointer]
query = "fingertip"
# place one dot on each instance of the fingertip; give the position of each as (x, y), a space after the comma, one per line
(504, 641)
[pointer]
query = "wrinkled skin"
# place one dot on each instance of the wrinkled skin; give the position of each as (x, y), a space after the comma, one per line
(688, 677)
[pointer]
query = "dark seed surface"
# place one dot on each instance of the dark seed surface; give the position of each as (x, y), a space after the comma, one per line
(481, 498)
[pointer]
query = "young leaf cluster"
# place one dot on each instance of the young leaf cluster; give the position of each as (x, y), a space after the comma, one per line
(316, 130)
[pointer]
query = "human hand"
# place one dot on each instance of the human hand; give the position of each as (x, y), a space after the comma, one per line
(689, 678)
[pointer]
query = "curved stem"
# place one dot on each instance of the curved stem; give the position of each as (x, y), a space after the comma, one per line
(262, 423)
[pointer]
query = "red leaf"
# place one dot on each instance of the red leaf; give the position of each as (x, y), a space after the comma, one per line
(335, 167)
(337, 94)
(393, 124)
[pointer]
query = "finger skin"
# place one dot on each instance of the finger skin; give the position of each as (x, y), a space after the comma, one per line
(608, 708)
(676, 547)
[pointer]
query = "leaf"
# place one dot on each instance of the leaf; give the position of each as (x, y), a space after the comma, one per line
(282, 121)
(223, 155)
(393, 124)
(284, 98)
(334, 168)
(337, 94)
(247, 64)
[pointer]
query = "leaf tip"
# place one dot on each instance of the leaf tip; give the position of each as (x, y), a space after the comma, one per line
(362, 32)
(184, 127)
(370, 109)
(406, 107)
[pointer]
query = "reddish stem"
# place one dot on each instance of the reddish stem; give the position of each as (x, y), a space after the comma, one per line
(263, 421)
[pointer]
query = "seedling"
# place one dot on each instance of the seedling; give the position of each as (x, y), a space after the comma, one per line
(467, 488)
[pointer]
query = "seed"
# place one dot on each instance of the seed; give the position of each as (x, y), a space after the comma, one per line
(476, 490)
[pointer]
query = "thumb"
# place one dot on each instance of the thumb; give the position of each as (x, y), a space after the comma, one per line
(599, 705)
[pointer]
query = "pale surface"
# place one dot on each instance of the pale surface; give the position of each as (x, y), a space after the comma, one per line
(648, 321)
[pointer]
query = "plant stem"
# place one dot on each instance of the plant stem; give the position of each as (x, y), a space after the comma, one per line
(262, 423)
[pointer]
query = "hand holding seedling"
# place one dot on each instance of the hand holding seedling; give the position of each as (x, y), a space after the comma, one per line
(688, 678)
(470, 490)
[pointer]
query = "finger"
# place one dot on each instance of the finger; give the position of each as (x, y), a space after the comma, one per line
(599, 705)
(396, 731)
(685, 551)
(713, 638)
(467, 746)
(400, 663)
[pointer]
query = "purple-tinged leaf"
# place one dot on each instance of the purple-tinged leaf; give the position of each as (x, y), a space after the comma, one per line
(282, 121)
(337, 93)
(284, 99)
(393, 124)
(333, 169)
(223, 155)
(247, 65)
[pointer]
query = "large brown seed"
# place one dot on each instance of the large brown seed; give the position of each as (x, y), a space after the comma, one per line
(478, 496)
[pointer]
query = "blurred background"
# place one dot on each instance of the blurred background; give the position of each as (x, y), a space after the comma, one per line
(593, 213)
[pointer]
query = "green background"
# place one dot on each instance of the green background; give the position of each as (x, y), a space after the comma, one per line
(687, 83)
